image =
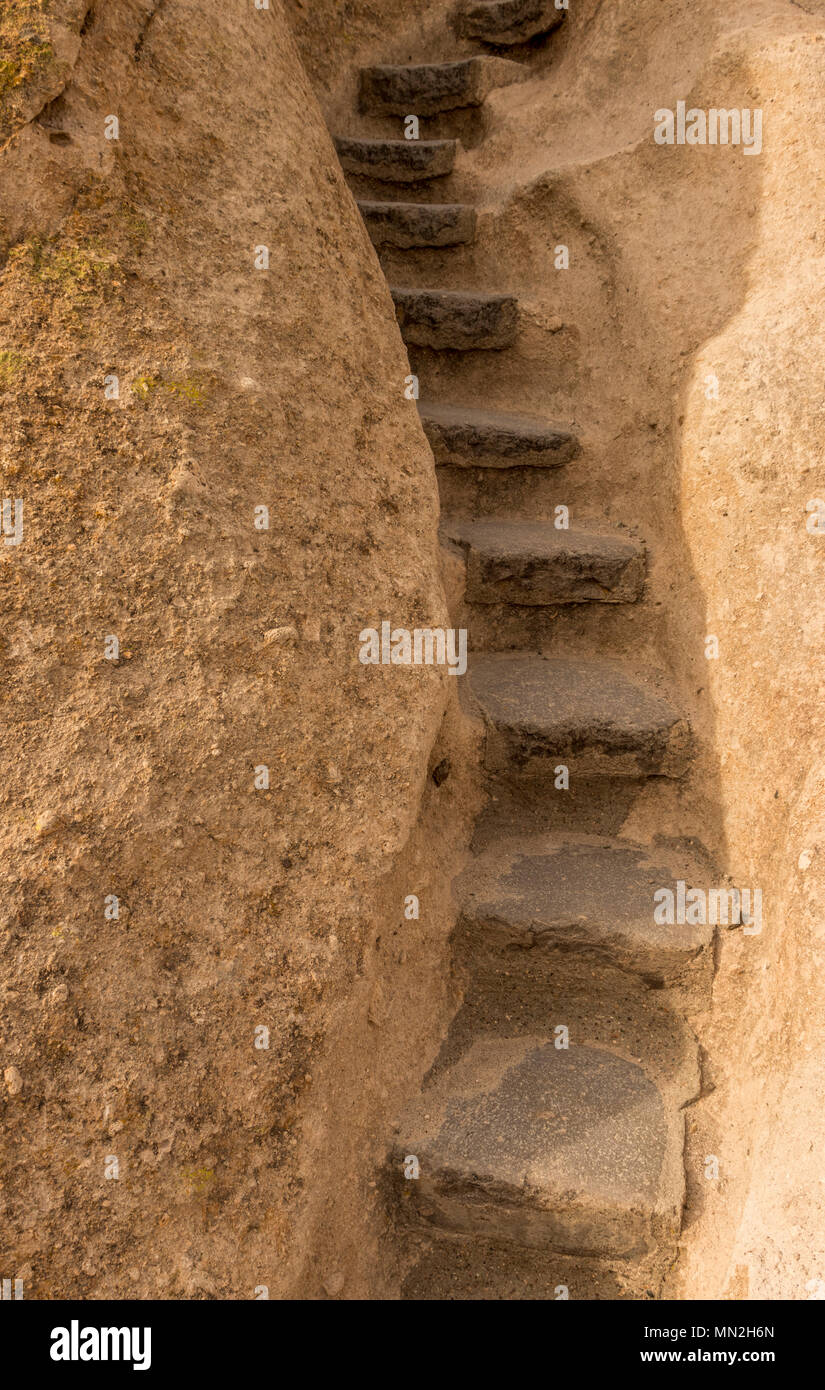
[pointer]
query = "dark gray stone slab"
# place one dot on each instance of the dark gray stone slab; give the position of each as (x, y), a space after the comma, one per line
(586, 714)
(507, 21)
(468, 438)
(595, 896)
(523, 562)
(427, 88)
(570, 1149)
(397, 161)
(457, 321)
(419, 224)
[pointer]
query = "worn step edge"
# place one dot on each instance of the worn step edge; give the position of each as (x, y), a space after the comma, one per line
(594, 895)
(396, 161)
(426, 89)
(533, 564)
(456, 321)
(507, 21)
(574, 1150)
(408, 225)
(468, 438)
(590, 715)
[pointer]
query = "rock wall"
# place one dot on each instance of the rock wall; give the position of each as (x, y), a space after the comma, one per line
(161, 648)
(159, 387)
(751, 469)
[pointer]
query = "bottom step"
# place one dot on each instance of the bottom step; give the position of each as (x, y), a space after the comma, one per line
(567, 1150)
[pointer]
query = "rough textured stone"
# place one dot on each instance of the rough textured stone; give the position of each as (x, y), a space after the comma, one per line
(589, 714)
(591, 895)
(489, 439)
(565, 1149)
(130, 777)
(530, 562)
(397, 161)
(507, 21)
(450, 319)
(419, 224)
(428, 88)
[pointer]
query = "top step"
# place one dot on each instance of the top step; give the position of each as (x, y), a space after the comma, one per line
(428, 88)
(507, 21)
(397, 161)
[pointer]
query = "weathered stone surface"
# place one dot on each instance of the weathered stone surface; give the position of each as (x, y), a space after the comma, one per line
(569, 1150)
(467, 437)
(397, 161)
(124, 778)
(591, 895)
(419, 224)
(529, 562)
(450, 319)
(507, 21)
(589, 714)
(427, 88)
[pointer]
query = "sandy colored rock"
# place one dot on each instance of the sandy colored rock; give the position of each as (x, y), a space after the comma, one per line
(160, 386)
(13, 1080)
(158, 391)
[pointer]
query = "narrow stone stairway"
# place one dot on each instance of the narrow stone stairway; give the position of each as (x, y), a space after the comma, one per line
(544, 1157)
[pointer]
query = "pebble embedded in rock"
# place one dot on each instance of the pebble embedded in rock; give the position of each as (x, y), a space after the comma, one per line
(13, 1080)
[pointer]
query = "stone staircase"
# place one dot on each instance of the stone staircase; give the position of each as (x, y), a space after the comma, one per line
(543, 1158)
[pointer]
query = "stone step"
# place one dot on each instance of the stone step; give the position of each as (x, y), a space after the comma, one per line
(507, 21)
(591, 895)
(569, 1150)
(427, 88)
(586, 714)
(397, 161)
(419, 224)
(489, 439)
(531, 563)
(455, 320)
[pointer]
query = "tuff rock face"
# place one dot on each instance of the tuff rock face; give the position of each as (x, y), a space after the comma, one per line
(208, 516)
(330, 979)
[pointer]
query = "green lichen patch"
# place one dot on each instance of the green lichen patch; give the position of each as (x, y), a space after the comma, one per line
(11, 364)
(26, 54)
(64, 267)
